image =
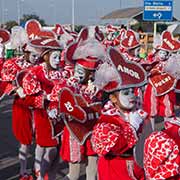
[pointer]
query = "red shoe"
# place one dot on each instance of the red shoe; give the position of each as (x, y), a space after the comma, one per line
(37, 174)
(46, 177)
(26, 177)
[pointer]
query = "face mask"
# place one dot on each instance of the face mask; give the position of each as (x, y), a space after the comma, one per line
(109, 37)
(163, 55)
(127, 98)
(1, 50)
(54, 59)
(80, 73)
(136, 52)
(33, 57)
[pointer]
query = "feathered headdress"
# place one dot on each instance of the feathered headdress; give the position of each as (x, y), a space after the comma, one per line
(19, 37)
(172, 66)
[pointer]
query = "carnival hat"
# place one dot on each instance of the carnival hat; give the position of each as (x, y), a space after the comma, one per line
(4, 36)
(119, 73)
(35, 30)
(85, 51)
(44, 42)
(131, 40)
(110, 28)
(168, 43)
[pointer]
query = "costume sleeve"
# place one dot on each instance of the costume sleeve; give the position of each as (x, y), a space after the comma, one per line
(34, 101)
(9, 70)
(113, 138)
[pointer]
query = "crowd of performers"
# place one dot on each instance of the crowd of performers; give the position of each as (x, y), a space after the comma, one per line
(90, 98)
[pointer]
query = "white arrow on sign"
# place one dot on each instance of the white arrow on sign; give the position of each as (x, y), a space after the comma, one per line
(157, 15)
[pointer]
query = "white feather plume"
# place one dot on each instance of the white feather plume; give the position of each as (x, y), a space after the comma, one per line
(65, 38)
(90, 47)
(19, 37)
(172, 66)
(105, 74)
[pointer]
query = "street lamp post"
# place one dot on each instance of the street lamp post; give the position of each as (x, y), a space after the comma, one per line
(18, 11)
(5, 15)
(2, 12)
(52, 5)
(72, 15)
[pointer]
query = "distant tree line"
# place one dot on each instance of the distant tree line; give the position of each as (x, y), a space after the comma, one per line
(9, 24)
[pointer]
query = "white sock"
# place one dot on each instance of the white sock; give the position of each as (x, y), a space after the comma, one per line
(152, 119)
(48, 161)
(23, 152)
(91, 168)
(74, 171)
(39, 151)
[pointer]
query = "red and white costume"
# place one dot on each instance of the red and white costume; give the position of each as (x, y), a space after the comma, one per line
(114, 135)
(5, 87)
(159, 95)
(113, 139)
(71, 149)
(37, 82)
(41, 83)
(9, 73)
(162, 152)
(111, 38)
(83, 55)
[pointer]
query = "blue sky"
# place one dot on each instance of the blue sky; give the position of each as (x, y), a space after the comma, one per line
(59, 11)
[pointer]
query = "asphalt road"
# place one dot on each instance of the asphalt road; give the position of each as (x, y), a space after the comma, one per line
(9, 164)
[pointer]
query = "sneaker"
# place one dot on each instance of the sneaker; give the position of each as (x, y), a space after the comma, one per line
(26, 177)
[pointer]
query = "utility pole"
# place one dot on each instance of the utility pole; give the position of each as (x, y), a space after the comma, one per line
(73, 15)
(2, 12)
(18, 12)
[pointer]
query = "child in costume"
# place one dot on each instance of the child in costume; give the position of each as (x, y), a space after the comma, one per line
(37, 83)
(159, 94)
(116, 132)
(4, 38)
(85, 54)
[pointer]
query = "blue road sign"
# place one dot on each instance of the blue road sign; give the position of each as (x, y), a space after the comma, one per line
(158, 10)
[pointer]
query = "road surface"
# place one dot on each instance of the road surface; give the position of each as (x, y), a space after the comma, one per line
(9, 164)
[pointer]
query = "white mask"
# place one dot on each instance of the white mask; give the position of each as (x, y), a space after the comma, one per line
(163, 55)
(136, 52)
(109, 37)
(1, 50)
(33, 57)
(79, 72)
(127, 98)
(54, 59)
